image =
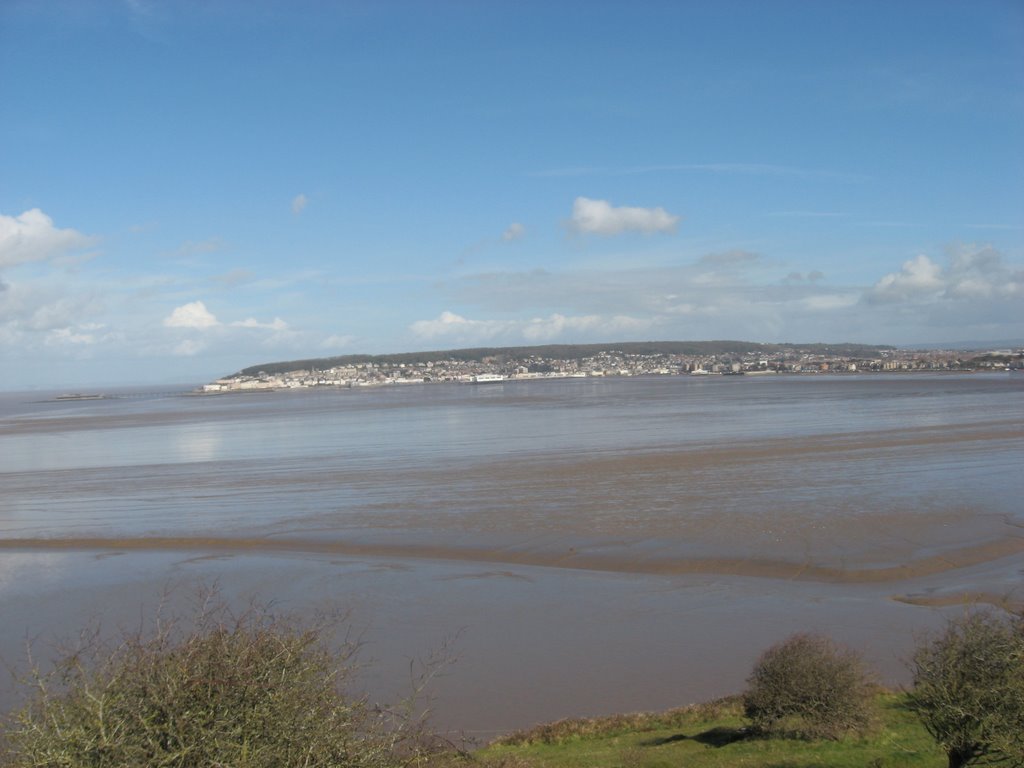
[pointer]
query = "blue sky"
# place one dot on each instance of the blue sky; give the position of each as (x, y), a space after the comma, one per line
(188, 188)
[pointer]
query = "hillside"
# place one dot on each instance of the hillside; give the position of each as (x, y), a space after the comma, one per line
(569, 352)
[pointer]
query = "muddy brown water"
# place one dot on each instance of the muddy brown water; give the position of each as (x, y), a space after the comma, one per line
(592, 546)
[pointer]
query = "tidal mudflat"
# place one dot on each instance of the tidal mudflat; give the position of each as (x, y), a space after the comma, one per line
(595, 545)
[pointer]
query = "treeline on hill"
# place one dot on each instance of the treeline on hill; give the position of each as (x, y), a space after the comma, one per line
(570, 352)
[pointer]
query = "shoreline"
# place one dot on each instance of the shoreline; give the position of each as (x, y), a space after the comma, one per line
(514, 379)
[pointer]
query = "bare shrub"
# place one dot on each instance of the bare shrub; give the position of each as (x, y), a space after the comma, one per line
(808, 686)
(217, 688)
(969, 690)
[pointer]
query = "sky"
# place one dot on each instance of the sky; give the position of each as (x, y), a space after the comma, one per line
(188, 188)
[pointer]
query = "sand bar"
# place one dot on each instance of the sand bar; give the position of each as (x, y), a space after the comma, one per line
(571, 558)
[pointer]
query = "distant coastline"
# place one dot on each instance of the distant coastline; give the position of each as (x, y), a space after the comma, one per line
(694, 358)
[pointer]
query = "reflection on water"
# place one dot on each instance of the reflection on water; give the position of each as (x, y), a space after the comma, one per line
(197, 442)
(835, 464)
(30, 572)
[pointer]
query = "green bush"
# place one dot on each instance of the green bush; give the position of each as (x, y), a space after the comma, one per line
(808, 686)
(969, 690)
(218, 690)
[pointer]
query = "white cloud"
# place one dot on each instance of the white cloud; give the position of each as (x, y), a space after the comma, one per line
(829, 301)
(189, 347)
(298, 203)
(32, 237)
(971, 288)
(52, 313)
(69, 336)
(277, 324)
(515, 231)
(974, 273)
(47, 311)
(337, 341)
(919, 277)
(191, 315)
(735, 294)
(601, 218)
(980, 272)
(449, 325)
(554, 326)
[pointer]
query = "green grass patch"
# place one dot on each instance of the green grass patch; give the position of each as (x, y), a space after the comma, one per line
(712, 735)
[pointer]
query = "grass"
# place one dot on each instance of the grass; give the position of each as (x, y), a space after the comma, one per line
(713, 735)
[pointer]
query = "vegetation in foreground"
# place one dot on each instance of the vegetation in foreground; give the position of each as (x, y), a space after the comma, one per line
(255, 690)
(717, 735)
(808, 686)
(969, 690)
(809, 702)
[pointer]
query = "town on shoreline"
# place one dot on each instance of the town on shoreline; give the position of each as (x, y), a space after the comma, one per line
(498, 365)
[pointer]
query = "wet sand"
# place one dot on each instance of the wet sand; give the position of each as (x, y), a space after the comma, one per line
(532, 642)
(596, 546)
(544, 630)
(568, 557)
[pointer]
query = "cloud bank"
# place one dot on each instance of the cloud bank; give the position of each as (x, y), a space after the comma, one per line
(455, 328)
(277, 324)
(975, 294)
(54, 312)
(973, 273)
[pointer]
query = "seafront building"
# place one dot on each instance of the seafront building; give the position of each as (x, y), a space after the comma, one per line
(615, 363)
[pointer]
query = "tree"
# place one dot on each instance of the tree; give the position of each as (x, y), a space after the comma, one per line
(249, 690)
(809, 686)
(969, 690)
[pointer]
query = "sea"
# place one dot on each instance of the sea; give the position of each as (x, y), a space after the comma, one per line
(578, 546)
